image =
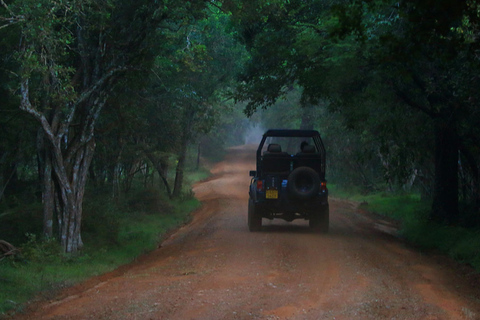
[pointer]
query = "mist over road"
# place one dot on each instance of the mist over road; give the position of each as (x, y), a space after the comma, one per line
(214, 268)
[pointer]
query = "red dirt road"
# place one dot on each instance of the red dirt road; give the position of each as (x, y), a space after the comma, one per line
(214, 268)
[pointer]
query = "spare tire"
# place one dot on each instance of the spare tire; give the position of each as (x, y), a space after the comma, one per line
(303, 183)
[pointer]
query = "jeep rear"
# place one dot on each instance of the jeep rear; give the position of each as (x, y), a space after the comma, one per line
(289, 182)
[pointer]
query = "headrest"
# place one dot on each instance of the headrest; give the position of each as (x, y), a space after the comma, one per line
(309, 149)
(274, 147)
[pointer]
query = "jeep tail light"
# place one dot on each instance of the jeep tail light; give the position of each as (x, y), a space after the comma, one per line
(260, 185)
(323, 186)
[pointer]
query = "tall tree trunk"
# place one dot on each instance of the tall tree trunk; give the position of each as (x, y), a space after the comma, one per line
(72, 181)
(116, 173)
(308, 117)
(47, 183)
(471, 163)
(10, 175)
(445, 192)
(178, 185)
(199, 155)
(189, 114)
(48, 197)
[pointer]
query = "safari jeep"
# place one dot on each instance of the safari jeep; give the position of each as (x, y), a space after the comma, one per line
(289, 182)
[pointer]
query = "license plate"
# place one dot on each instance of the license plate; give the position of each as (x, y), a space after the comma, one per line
(272, 194)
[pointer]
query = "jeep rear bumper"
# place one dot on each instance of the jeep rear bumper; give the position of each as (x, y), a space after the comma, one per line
(290, 209)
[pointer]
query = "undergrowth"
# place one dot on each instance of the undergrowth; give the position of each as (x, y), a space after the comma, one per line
(459, 242)
(115, 232)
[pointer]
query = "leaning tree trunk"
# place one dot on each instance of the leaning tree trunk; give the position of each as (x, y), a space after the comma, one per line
(189, 114)
(46, 180)
(179, 172)
(445, 192)
(161, 170)
(307, 117)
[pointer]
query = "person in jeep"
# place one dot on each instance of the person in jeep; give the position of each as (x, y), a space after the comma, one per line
(289, 185)
(303, 145)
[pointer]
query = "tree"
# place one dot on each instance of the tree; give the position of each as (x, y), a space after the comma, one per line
(426, 55)
(206, 62)
(155, 118)
(70, 57)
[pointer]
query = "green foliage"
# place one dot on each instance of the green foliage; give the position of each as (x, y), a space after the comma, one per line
(115, 234)
(390, 75)
(408, 207)
(19, 220)
(40, 251)
(148, 201)
(285, 113)
(288, 45)
(430, 69)
(460, 243)
(176, 102)
(466, 248)
(101, 219)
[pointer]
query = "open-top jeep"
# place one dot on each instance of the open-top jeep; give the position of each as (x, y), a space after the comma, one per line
(289, 182)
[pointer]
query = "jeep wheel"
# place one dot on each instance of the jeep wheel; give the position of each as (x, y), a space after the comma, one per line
(320, 221)
(303, 183)
(254, 218)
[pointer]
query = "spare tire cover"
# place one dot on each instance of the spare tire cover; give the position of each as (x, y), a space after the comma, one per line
(303, 183)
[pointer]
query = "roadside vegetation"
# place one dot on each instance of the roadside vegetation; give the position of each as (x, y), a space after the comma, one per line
(116, 232)
(460, 242)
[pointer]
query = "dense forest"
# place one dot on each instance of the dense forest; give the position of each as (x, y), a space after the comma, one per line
(116, 95)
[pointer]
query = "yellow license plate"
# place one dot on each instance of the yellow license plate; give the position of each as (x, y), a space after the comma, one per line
(272, 194)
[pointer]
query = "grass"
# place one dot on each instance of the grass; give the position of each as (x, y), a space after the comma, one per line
(115, 233)
(198, 175)
(460, 243)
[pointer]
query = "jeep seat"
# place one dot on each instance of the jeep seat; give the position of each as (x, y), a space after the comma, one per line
(276, 161)
(308, 158)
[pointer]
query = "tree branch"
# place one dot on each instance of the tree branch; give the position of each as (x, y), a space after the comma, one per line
(318, 29)
(405, 98)
(6, 7)
(7, 249)
(26, 105)
(158, 167)
(2, 190)
(86, 94)
(13, 18)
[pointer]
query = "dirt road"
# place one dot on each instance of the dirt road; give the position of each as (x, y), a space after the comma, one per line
(214, 268)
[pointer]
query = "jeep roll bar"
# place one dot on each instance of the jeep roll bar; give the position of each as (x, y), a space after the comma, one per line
(314, 134)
